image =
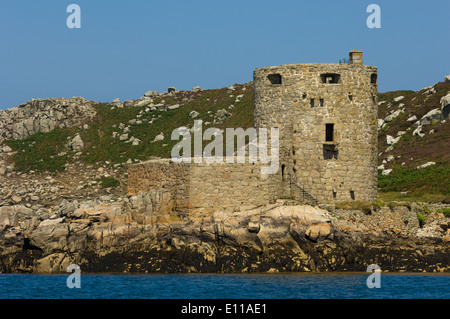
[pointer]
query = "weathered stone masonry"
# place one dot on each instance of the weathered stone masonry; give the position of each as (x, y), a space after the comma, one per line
(326, 114)
(327, 117)
(161, 174)
(205, 187)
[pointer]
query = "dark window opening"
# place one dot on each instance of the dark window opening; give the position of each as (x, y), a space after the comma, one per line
(329, 78)
(352, 195)
(274, 78)
(312, 103)
(350, 96)
(373, 78)
(330, 150)
(283, 173)
(329, 153)
(304, 95)
(329, 132)
(334, 194)
(321, 102)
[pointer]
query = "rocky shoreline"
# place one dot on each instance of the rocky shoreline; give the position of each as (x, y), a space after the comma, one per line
(137, 235)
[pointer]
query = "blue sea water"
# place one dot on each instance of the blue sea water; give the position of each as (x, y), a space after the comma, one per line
(226, 286)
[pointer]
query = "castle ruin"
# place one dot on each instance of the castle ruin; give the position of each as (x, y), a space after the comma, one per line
(326, 114)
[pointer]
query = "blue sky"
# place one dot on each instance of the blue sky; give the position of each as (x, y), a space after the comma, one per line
(125, 48)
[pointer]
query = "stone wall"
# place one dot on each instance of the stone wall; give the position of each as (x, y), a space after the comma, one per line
(295, 99)
(231, 187)
(204, 188)
(161, 174)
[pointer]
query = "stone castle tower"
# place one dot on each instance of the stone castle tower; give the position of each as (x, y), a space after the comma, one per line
(327, 120)
(326, 115)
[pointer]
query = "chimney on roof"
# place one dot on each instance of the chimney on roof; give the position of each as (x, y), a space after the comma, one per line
(355, 57)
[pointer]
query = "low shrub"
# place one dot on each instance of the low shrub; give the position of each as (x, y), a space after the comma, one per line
(445, 211)
(107, 182)
(422, 219)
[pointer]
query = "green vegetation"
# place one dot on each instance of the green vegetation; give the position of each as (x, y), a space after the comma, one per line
(366, 207)
(425, 210)
(391, 95)
(107, 182)
(49, 152)
(42, 151)
(422, 214)
(422, 219)
(425, 197)
(429, 180)
(445, 211)
(378, 204)
(207, 104)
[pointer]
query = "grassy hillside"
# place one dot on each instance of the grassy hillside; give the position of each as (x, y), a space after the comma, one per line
(407, 181)
(42, 151)
(413, 150)
(50, 152)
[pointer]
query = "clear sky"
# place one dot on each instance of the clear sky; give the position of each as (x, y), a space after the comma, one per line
(127, 47)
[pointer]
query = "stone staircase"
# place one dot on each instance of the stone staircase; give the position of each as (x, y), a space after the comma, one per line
(299, 193)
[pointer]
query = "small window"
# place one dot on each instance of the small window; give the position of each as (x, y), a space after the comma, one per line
(373, 78)
(352, 195)
(350, 96)
(334, 194)
(274, 78)
(312, 103)
(283, 173)
(304, 95)
(329, 132)
(321, 101)
(329, 78)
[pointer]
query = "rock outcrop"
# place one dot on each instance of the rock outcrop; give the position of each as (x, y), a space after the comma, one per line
(44, 115)
(76, 144)
(140, 234)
